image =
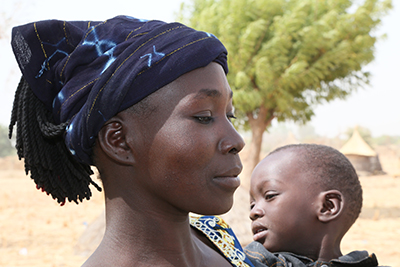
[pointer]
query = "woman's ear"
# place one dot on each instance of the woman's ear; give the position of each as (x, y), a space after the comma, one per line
(331, 205)
(112, 141)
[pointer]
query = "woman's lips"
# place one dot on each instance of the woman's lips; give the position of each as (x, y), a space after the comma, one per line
(229, 180)
(228, 183)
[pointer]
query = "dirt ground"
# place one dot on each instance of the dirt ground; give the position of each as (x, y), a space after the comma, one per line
(35, 231)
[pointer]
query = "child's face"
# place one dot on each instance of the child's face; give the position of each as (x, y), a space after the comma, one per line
(187, 148)
(283, 204)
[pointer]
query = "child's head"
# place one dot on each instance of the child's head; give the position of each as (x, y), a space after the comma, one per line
(302, 194)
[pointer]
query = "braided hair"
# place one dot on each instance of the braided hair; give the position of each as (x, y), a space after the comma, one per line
(40, 142)
(83, 73)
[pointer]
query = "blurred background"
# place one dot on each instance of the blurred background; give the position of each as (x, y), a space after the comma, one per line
(35, 231)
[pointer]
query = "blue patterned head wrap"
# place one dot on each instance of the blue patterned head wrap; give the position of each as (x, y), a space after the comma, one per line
(85, 72)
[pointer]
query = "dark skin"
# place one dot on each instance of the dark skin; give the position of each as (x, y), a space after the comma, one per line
(291, 213)
(157, 167)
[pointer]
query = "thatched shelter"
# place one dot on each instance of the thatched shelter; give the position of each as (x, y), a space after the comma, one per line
(364, 159)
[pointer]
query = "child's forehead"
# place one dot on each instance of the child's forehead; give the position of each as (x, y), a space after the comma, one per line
(287, 158)
(283, 166)
(295, 151)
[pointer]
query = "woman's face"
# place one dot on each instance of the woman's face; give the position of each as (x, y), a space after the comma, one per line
(185, 146)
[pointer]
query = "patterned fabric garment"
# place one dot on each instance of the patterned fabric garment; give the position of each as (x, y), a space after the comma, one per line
(85, 72)
(261, 257)
(222, 236)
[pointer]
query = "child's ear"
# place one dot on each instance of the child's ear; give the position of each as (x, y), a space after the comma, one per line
(331, 205)
(112, 140)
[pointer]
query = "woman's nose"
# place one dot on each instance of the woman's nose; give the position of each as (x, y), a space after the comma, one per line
(232, 142)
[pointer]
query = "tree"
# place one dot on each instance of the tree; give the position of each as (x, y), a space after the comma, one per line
(286, 56)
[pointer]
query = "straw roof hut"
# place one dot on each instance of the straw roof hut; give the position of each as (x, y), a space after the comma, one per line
(364, 159)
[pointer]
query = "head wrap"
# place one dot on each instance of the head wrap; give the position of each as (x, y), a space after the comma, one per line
(85, 72)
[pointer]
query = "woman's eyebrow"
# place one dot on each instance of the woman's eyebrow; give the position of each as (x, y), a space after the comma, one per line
(203, 93)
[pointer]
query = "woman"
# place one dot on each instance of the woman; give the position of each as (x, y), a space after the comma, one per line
(149, 105)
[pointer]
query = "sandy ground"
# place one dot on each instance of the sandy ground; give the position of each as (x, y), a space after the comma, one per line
(35, 231)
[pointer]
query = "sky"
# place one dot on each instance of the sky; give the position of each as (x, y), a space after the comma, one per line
(376, 107)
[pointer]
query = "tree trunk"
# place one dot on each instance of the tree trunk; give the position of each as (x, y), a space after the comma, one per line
(258, 124)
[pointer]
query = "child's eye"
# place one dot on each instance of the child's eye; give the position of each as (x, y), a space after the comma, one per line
(270, 196)
(251, 206)
(204, 119)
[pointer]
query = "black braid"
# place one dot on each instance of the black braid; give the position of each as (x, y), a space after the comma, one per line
(39, 141)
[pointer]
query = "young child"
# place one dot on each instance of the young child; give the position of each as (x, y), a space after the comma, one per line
(303, 199)
(148, 104)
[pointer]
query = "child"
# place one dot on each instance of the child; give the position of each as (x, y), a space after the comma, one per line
(148, 104)
(303, 200)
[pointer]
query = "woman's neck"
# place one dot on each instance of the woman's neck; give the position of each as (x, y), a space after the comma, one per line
(138, 236)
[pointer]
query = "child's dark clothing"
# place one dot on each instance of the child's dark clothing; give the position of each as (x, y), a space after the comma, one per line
(261, 257)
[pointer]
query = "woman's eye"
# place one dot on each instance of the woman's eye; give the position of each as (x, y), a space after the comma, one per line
(230, 117)
(204, 119)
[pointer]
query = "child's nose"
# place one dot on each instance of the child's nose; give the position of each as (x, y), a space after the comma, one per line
(256, 212)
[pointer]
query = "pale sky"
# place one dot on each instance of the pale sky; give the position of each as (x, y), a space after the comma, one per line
(376, 107)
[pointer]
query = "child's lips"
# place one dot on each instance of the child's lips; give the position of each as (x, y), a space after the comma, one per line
(260, 234)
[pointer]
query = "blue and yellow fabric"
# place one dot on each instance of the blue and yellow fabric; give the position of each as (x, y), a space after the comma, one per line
(222, 236)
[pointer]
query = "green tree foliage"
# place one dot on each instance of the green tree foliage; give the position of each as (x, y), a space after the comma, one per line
(286, 56)
(6, 148)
